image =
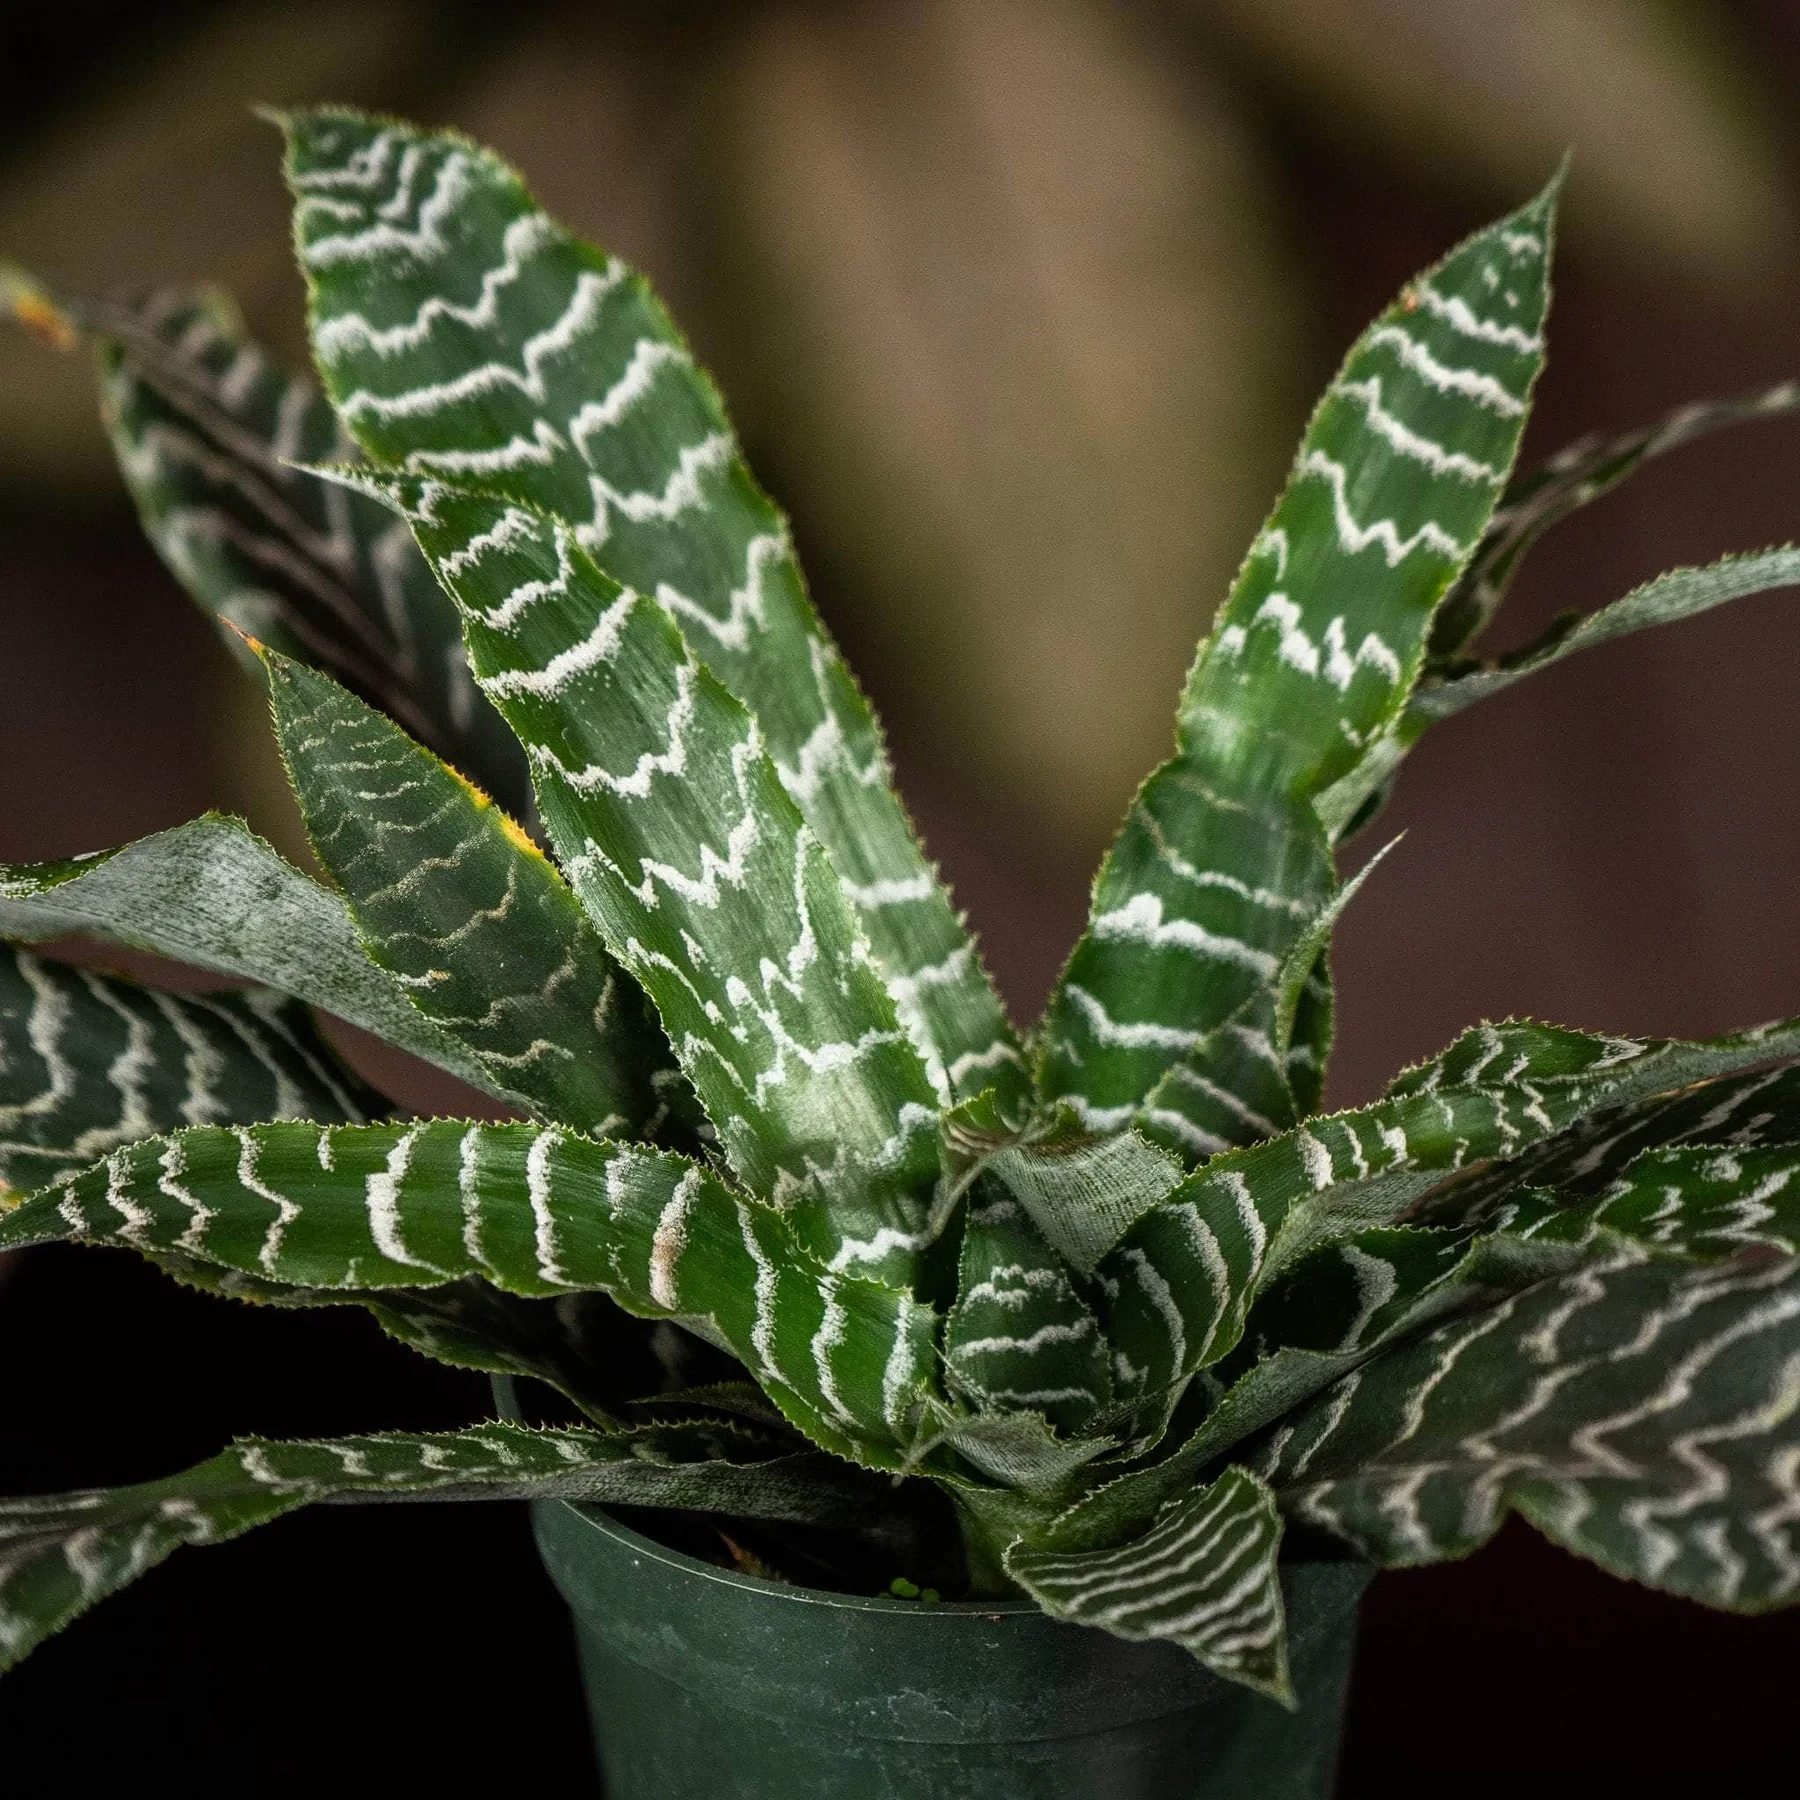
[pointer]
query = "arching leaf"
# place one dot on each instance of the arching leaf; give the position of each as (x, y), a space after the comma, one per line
(208, 431)
(1642, 1415)
(213, 894)
(535, 1211)
(59, 1553)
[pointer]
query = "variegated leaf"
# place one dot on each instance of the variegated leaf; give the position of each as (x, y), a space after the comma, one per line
(1204, 1577)
(1701, 1201)
(675, 830)
(535, 1211)
(1166, 1013)
(467, 914)
(212, 894)
(1739, 1111)
(1540, 498)
(1643, 1415)
(59, 1553)
(208, 431)
(1020, 1338)
(462, 332)
(89, 1061)
(1178, 1286)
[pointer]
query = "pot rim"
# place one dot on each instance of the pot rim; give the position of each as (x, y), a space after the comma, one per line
(598, 1518)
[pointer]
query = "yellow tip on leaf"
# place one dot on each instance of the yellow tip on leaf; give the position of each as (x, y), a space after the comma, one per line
(255, 644)
(23, 299)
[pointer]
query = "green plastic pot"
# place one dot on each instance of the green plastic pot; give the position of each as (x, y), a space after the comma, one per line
(703, 1682)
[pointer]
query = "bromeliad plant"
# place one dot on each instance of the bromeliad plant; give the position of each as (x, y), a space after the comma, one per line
(1119, 1291)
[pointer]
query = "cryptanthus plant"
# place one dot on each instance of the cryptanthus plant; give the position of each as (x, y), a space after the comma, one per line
(795, 1223)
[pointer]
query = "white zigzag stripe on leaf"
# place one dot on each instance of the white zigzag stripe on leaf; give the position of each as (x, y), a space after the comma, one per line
(531, 359)
(1640, 1414)
(682, 842)
(1223, 859)
(61, 1553)
(355, 1210)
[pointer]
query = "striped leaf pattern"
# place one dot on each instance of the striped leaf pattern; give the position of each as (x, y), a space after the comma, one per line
(1703, 1201)
(462, 332)
(712, 891)
(214, 895)
(1204, 1576)
(1178, 1285)
(1165, 1014)
(208, 431)
(536, 1212)
(1020, 1337)
(59, 1553)
(89, 1062)
(1738, 1111)
(467, 914)
(1640, 1414)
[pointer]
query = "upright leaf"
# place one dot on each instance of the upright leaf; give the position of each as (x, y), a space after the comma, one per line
(1166, 1013)
(710, 888)
(89, 1061)
(59, 1553)
(212, 894)
(463, 332)
(207, 431)
(466, 913)
(536, 1212)
(1642, 1415)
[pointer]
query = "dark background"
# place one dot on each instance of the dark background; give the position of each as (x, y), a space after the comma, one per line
(1613, 845)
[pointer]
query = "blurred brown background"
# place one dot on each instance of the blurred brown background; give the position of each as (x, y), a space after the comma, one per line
(1020, 304)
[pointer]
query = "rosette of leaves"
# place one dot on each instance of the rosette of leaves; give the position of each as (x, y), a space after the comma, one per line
(1119, 1290)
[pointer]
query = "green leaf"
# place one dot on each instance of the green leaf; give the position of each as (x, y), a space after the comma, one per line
(1643, 1415)
(89, 1061)
(1083, 1192)
(675, 830)
(537, 1212)
(1322, 1317)
(1168, 1006)
(467, 914)
(1020, 1338)
(212, 894)
(1702, 1201)
(1573, 478)
(1204, 1577)
(1680, 594)
(462, 332)
(1738, 1111)
(59, 1553)
(1181, 1280)
(208, 431)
